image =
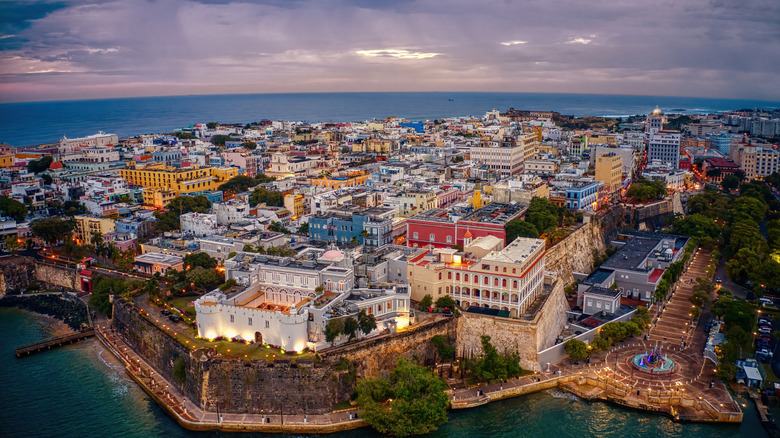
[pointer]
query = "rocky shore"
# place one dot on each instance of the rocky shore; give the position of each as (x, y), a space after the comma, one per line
(73, 313)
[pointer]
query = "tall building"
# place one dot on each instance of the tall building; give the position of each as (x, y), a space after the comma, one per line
(609, 170)
(757, 161)
(505, 157)
(655, 122)
(88, 225)
(722, 142)
(370, 226)
(664, 146)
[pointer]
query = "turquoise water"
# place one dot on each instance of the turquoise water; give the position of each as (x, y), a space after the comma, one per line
(44, 122)
(75, 392)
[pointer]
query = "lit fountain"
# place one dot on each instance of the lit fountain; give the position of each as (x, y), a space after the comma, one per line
(653, 362)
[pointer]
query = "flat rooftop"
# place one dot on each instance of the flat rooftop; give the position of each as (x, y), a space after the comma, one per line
(516, 252)
(156, 257)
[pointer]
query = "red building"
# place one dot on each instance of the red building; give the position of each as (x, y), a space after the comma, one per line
(444, 229)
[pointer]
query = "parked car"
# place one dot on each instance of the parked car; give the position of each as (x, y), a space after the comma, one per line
(765, 321)
(165, 312)
(447, 312)
(174, 318)
(765, 352)
(766, 330)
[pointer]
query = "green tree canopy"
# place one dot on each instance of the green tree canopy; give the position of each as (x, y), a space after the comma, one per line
(576, 349)
(367, 321)
(520, 228)
(204, 278)
(445, 301)
(220, 139)
(249, 145)
(168, 220)
(697, 225)
(333, 329)
(411, 401)
(269, 197)
(644, 190)
(491, 365)
(745, 234)
(426, 302)
(37, 166)
(748, 208)
(51, 230)
(12, 208)
(351, 326)
(730, 182)
(201, 259)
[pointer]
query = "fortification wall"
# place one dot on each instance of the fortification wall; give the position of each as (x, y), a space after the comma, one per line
(372, 356)
(16, 273)
(575, 253)
(59, 276)
(526, 337)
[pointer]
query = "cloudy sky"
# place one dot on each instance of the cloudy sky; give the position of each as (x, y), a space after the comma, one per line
(69, 49)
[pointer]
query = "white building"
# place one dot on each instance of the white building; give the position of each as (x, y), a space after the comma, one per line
(200, 224)
(664, 146)
(228, 212)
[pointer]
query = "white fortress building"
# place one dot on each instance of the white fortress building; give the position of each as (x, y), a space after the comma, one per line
(200, 224)
(282, 306)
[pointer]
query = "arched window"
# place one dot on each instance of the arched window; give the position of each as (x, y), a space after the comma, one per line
(503, 282)
(439, 275)
(457, 275)
(465, 277)
(449, 275)
(514, 271)
(341, 285)
(505, 269)
(486, 281)
(514, 284)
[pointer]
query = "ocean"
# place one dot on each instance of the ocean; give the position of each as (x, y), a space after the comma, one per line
(23, 124)
(80, 390)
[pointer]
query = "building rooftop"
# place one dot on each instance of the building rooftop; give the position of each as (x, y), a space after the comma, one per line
(156, 257)
(516, 252)
(603, 291)
(598, 276)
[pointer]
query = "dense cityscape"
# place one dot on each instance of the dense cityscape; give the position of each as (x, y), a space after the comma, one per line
(283, 276)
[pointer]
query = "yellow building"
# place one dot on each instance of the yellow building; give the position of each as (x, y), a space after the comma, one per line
(609, 170)
(88, 225)
(179, 181)
(294, 203)
(378, 146)
(339, 182)
(412, 203)
(158, 198)
(7, 160)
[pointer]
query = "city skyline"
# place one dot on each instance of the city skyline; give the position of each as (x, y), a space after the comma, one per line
(84, 50)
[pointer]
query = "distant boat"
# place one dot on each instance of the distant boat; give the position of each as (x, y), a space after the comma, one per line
(451, 100)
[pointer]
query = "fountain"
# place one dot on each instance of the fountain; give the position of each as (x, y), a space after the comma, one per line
(653, 362)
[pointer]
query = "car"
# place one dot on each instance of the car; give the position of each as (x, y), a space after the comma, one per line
(765, 352)
(174, 318)
(766, 330)
(447, 312)
(765, 301)
(764, 321)
(165, 312)
(718, 281)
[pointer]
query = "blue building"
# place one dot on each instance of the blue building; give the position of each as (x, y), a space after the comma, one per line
(582, 195)
(419, 127)
(343, 224)
(167, 157)
(212, 195)
(721, 142)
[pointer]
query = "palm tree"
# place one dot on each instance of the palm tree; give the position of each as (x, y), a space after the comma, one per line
(364, 234)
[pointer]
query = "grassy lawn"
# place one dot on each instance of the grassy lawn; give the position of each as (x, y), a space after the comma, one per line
(182, 302)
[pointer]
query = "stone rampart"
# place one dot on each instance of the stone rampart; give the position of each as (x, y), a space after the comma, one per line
(56, 275)
(381, 353)
(575, 253)
(15, 273)
(526, 337)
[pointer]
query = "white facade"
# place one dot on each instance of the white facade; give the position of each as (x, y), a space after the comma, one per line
(231, 211)
(664, 146)
(200, 224)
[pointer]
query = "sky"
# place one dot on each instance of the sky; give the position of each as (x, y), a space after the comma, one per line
(73, 49)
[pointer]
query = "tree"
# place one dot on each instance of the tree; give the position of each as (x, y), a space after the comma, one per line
(51, 230)
(212, 125)
(333, 329)
(520, 228)
(576, 349)
(204, 278)
(697, 225)
(199, 259)
(47, 179)
(249, 145)
(220, 139)
(268, 197)
(443, 347)
(730, 182)
(169, 219)
(641, 317)
(103, 288)
(12, 243)
(277, 226)
(446, 301)
(744, 263)
(426, 302)
(491, 365)
(37, 166)
(746, 234)
(748, 208)
(13, 208)
(350, 327)
(411, 401)
(237, 184)
(367, 321)
(304, 229)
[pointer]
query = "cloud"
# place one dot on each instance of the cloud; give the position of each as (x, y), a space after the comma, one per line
(108, 48)
(579, 41)
(396, 53)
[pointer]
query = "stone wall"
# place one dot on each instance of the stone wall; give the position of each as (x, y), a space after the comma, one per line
(575, 253)
(232, 385)
(526, 337)
(15, 273)
(372, 356)
(58, 276)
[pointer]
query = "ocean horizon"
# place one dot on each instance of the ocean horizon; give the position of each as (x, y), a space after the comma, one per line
(30, 123)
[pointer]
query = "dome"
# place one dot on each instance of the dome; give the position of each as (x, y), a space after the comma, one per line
(56, 165)
(333, 255)
(657, 111)
(467, 235)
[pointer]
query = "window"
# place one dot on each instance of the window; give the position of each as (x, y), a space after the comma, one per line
(439, 275)
(449, 239)
(514, 284)
(250, 321)
(431, 237)
(465, 277)
(267, 324)
(416, 236)
(495, 282)
(486, 281)
(457, 275)
(232, 318)
(503, 282)
(449, 276)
